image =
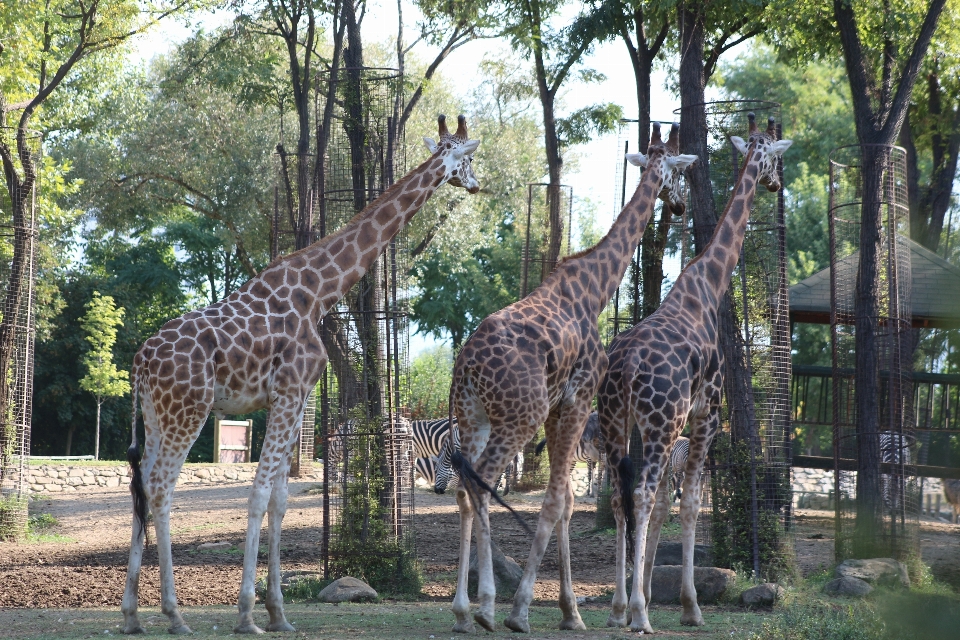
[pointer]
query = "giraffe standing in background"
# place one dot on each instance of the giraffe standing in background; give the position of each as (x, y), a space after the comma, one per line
(259, 347)
(539, 361)
(668, 370)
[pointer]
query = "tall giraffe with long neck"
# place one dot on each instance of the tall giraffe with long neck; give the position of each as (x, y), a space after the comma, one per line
(666, 371)
(539, 361)
(259, 348)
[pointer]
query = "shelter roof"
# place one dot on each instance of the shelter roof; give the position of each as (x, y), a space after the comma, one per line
(934, 291)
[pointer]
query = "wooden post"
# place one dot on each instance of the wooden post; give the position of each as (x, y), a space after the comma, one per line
(216, 440)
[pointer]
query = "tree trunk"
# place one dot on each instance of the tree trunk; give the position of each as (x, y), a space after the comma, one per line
(70, 431)
(554, 170)
(96, 437)
(866, 322)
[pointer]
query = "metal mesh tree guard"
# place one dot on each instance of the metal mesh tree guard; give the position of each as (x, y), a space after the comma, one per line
(878, 498)
(749, 462)
(17, 330)
(367, 447)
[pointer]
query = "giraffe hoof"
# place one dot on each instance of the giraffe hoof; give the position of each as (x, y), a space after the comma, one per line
(133, 630)
(180, 630)
(616, 621)
(484, 620)
(464, 627)
(248, 627)
(573, 624)
(641, 628)
(692, 620)
(517, 624)
(283, 625)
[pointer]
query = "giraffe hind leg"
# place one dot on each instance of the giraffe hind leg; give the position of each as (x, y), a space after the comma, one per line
(276, 509)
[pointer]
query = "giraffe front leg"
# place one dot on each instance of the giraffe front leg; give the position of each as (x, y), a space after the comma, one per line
(131, 621)
(461, 601)
(689, 511)
(256, 508)
(486, 588)
(277, 508)
(568, 600)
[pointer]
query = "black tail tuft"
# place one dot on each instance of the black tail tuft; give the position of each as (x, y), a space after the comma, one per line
(540, 446)
(136, 487)
(625, 473)
(469, 479)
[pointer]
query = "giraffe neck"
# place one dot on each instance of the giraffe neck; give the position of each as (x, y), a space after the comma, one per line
(609, 258)
(331, 266)
(713, 268)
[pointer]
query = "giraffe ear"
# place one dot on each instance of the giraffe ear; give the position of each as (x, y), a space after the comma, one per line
(637, 159)
(778, 147)
(431, 145)
(739, 144)
(680, 162)
(466, 149)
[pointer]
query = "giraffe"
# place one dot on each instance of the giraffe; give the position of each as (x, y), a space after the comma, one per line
(664, 371)
(539, 361)
(259, 348)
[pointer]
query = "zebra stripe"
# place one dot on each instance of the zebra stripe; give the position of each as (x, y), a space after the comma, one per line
(678, 461)
(445, 476)
(894, 449)
(428, 436)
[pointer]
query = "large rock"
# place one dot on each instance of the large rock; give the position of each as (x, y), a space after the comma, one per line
(672, 553)
(347, 589)
(215, 546)
(885, 572)
(506, 572)
(847, 586)
(711, 583)
(762, 595)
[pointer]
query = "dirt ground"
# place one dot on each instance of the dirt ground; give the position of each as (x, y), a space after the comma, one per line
(81, 562)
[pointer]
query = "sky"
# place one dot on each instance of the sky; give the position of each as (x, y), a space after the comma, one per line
(595, 177)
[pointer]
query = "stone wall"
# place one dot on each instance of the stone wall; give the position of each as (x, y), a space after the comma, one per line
(813, 488)
(57, 478)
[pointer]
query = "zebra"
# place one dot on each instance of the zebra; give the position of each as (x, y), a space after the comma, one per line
(445, 476)
(678, 462)
(894, 450)
(426, 468)
(587, 451)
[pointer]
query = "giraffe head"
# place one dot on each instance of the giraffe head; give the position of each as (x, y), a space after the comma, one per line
(769, 149)
(673, 164)
(456, 149)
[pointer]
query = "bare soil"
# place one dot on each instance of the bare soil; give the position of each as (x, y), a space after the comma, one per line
(82, 562)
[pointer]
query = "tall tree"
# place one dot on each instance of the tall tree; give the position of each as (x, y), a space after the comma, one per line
(62, 34)
(707, 31)
(103, 379)
(883, 51)
(556, 54)
(644, 28)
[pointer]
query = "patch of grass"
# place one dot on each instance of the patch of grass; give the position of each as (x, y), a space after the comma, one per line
(40, 522)
(199, 527)
(606, 532)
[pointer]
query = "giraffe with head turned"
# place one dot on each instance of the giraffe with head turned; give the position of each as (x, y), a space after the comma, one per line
(666, 372)
(539, 361)
(259, 347)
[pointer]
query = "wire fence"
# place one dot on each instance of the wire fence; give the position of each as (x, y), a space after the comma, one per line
(18, 228)
(874, 444)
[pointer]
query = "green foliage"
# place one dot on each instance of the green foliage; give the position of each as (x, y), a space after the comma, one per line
(13, 517)
(822, 621)
(732, 513)
(41, 522)
(100, 324)
(430, 375)
(363, 544)
(581, 125)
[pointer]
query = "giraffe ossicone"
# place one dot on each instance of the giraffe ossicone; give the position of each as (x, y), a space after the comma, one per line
(539, 361)
(664, 373)
(260, 347)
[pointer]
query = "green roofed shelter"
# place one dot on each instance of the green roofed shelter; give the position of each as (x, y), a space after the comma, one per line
(934, 290)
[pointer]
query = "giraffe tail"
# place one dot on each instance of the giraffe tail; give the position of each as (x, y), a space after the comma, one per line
(540, 446)
(473, 483)
(133, 457)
